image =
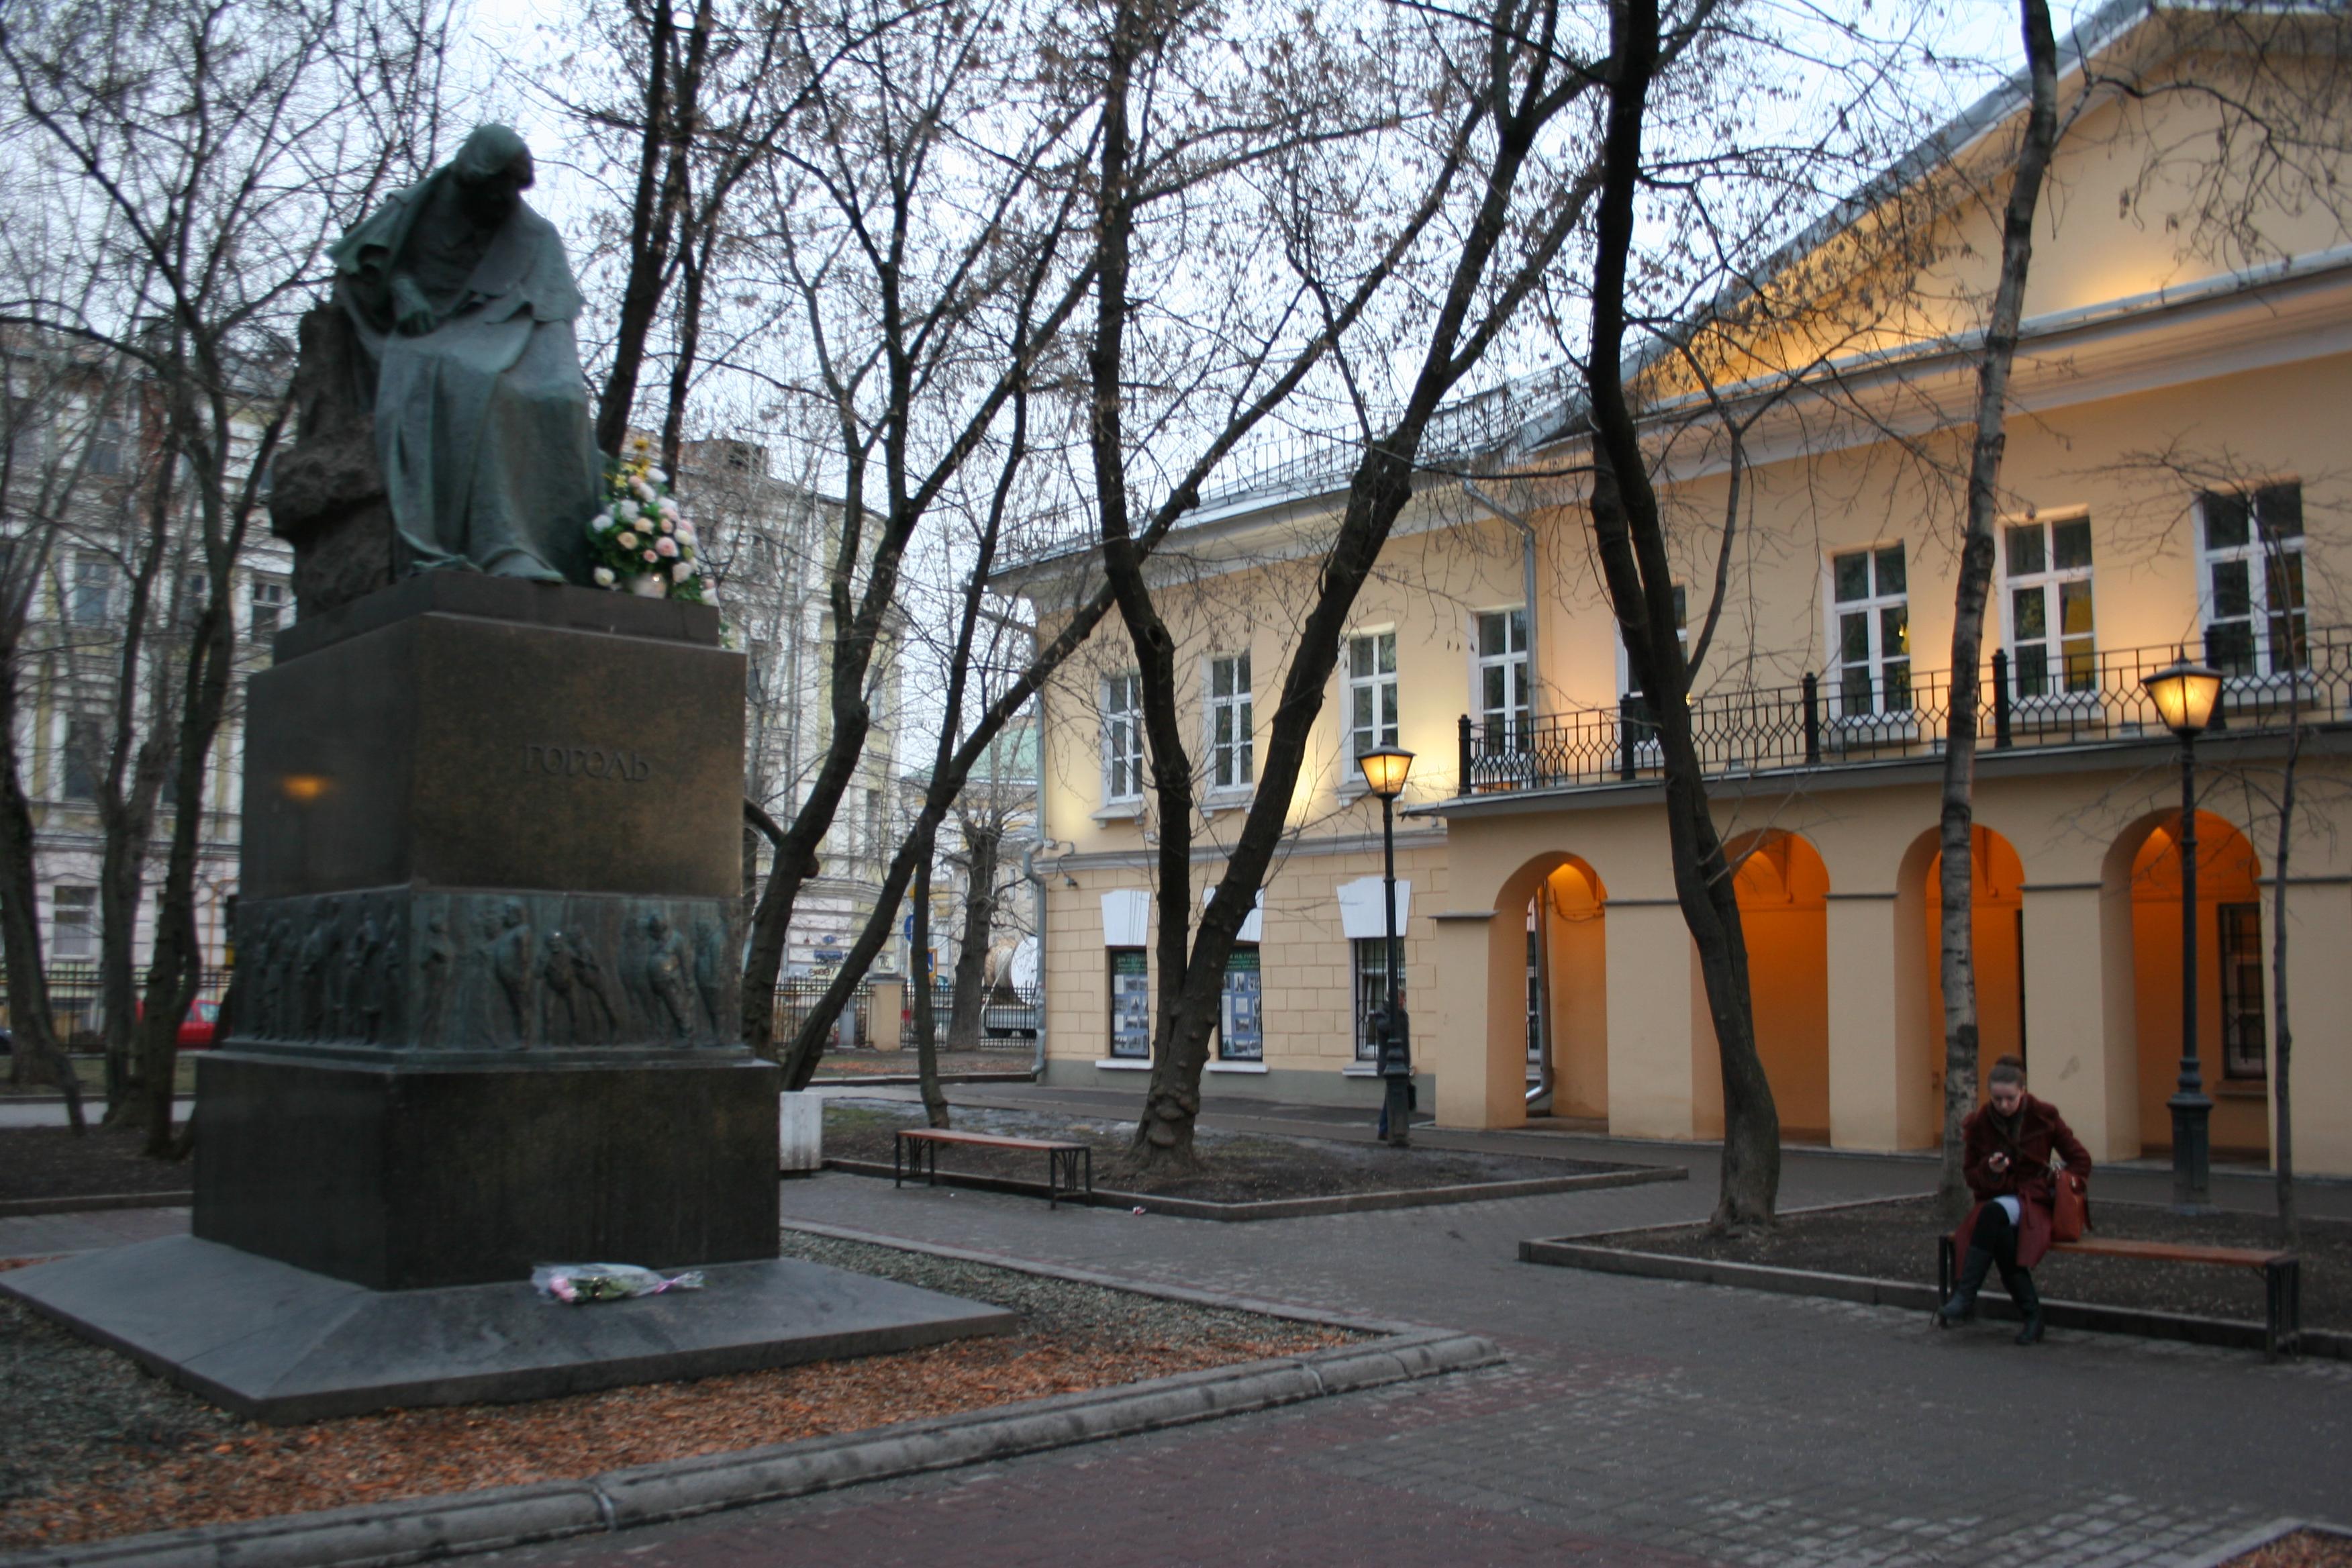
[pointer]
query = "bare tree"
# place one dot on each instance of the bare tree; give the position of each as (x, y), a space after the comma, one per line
(1974, 581)
(223, 145)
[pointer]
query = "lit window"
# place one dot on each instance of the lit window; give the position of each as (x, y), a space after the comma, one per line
(1873, 625)
(2251, 559)
(2052, 649)
(1231, 753)
(2242, 1031)
(1122, 737)
(1372, 693)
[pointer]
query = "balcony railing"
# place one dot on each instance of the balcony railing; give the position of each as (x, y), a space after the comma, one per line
(1850, 718)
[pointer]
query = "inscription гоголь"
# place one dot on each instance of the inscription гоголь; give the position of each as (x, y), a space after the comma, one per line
(587, 761)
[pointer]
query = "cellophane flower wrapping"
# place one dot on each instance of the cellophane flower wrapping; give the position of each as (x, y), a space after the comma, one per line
(578, 1283)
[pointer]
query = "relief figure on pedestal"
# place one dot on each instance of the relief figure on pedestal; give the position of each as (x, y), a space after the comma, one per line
(360, 954)
(510, 961)
(598, 1009)
(668, 968)
(462, 303)
(710, 966)
(437, 956)
(562, 1026)
(320, 1005)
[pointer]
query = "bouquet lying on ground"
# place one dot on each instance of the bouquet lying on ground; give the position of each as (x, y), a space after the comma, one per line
(581, 1283)
(640, 543)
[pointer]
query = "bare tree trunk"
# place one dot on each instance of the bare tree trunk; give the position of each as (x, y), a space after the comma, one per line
(2283, 1036)
(927, 1023)
(1958, 890)
(983, 843)
(20, 921)
(1631, 536)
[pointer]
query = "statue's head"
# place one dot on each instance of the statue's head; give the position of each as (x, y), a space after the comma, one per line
(493, 169)
(511, 914)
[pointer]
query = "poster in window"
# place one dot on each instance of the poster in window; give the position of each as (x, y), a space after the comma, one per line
(1130, 1005)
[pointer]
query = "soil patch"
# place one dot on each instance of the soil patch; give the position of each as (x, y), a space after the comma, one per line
(1896, 1240)
(94, 1446)
(2304, 1549)
(839, 1065)
(1236, 1168)
(51, 1163)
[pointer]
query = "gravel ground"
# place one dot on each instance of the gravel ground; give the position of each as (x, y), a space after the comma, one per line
(51, 1163)
(92, 1447)
(1234, 1167)
(1898, 1241)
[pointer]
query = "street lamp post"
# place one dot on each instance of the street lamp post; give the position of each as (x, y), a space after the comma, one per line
(2184, 695)
(1384, 771)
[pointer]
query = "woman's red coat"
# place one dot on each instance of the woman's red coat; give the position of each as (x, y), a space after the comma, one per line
(2040, 1131)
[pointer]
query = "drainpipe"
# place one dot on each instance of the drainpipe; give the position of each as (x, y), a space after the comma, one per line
(1540, 1096)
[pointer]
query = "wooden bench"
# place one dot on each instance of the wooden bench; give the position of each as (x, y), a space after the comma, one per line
(1064, 1160)
(2282, 1277)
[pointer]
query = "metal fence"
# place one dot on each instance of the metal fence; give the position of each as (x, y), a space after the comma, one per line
(796, 998)
(1854, 717)
(1009, 1021)
(76, 1009)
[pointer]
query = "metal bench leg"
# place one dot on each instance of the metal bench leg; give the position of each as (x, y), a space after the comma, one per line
(2282, 1330)
(1053, 1179)
(1945, 1271)
(898, 1149)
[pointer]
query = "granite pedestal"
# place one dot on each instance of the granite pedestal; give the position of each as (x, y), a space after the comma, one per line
(284, 1344)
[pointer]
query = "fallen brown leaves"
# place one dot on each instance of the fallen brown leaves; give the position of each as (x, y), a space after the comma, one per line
(244, 1471)
(2304, 1549)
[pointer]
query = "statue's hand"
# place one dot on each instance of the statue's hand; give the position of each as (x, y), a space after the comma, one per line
(410, 312)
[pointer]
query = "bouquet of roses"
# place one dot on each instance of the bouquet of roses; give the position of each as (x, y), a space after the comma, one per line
(640, 543)
(577, 1284)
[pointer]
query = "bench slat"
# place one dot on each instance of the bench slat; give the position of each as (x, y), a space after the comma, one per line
(984, 1139)
(2172, 1252)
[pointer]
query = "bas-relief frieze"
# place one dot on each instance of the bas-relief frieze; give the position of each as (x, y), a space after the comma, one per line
(400, 970)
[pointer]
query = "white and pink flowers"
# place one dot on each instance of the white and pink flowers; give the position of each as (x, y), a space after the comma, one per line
(640, 542)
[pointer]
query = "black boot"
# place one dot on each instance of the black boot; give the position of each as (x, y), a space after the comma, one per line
(2021, 1290)
(1962, 1304)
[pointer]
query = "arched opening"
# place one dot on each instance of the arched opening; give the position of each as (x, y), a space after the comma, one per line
(1557, 954)
(1997, 878)
(2231, 979)
(1783, 891)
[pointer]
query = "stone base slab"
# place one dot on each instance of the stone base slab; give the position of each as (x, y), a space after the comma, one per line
(283, 1344)
(404, 1176)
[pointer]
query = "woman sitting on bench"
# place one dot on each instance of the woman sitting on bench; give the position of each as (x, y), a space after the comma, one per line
(2006, 1158)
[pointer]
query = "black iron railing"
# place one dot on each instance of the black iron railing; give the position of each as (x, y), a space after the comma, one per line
(1895, 712)
(76, 1009)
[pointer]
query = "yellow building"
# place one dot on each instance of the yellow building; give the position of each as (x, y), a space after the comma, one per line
(2175, 480)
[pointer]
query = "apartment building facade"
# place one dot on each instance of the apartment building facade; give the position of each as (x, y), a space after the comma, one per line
(2173, 484)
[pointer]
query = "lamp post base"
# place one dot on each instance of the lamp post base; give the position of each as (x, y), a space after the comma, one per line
(2192, 1150)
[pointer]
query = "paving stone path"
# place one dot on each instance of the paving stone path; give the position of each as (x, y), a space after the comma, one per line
(1637, 1421)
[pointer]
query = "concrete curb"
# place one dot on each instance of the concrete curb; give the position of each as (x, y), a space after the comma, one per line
(2229, 1333)
(382, 1535)
(2260, 1536)
(1296, 1208)
(18, 1208)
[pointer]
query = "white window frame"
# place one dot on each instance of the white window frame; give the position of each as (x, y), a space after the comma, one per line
(1646, 753)
(1233, 760)
(92, 573)
(1876, 660)
(279, 601)
(85, 947)
(1514, 718)
(1358, 738)
(1122, 738)
(1368, 984)
(2258, 621)
(2049, 581)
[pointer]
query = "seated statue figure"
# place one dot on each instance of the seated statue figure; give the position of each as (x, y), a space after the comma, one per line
(462, 304)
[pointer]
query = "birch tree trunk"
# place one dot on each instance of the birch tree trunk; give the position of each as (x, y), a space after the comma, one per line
(1957, 891)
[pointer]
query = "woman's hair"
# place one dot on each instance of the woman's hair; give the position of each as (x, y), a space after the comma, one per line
(2008, 1069)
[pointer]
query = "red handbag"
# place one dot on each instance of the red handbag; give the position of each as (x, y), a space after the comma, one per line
(2070, 1207)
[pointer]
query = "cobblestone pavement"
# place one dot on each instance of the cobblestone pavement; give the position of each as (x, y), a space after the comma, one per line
(1637, 1421)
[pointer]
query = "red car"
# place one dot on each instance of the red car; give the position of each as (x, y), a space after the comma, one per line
(196, 1030)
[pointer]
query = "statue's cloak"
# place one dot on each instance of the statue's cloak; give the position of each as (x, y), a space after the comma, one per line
(481, 424)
